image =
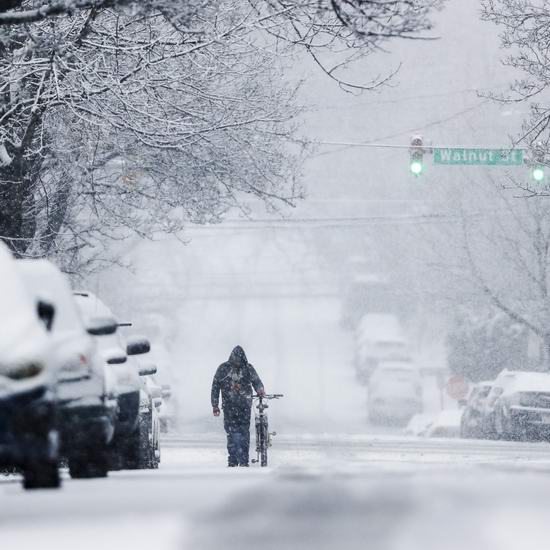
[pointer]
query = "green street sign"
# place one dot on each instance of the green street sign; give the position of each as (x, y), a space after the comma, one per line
(478, 157)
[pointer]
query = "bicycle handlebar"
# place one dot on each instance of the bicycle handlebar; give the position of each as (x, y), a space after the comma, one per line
(268, 396)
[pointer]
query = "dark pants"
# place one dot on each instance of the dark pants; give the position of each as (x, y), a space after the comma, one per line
(237, 426)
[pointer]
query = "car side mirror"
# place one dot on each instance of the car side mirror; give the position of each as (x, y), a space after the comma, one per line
(138, 346)
(115, 357)
(101, 326)
(46, 313)
(148, 369)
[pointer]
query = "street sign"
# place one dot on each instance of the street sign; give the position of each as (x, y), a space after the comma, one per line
(457, 387)
(478, 157)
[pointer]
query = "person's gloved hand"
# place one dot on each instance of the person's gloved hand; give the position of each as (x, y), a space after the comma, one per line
(261, 392)
(216, 411)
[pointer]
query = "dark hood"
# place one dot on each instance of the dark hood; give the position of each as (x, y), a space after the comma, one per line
(238, 357)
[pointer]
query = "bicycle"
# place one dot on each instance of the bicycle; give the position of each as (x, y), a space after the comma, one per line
(263, 436)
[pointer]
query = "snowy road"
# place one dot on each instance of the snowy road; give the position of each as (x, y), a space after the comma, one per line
(321, 492)
(328, 492)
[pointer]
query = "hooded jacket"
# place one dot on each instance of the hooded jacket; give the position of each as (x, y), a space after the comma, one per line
(235, 379)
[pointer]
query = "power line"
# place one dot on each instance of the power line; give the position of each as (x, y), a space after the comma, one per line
(402, 99)
(427, 148)
(345, 145)
(300, 223)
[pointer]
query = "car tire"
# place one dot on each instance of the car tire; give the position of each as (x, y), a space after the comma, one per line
(139, 453)
(94, 464)
(41, 475)
(156, 456)
(505, 429)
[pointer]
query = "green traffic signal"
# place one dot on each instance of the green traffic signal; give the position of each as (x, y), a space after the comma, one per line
(416, 167)
(538, 173)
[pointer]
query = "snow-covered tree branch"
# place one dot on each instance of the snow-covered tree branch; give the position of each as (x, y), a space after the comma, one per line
(524, 25)
(116, 115)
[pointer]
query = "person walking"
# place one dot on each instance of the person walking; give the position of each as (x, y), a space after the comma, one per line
(235, 379)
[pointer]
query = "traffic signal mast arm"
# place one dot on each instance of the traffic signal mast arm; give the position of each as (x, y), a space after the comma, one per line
(472, 156)
(534, 157)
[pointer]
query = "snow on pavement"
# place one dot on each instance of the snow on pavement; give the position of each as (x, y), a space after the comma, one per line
(321, 492)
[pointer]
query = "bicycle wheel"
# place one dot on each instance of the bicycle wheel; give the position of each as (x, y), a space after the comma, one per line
(264, 441)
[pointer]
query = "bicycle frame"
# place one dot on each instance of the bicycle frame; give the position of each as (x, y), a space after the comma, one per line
(263, 436)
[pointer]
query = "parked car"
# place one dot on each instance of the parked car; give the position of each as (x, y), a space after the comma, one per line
(471, 425)
(378, 337)
(150, 402)
(86, 391)
(365, 294)
(28, 423)
(394, 393)
(419, 424)
(130, 442)
(446, 424)
(499, 385)
(522, 409)
(167, 412)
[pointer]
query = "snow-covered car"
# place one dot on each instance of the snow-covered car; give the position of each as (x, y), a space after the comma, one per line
(365, 294)
(378, 337)
(419, 424)
(167, 412)
(522, 408)
(130, 441)
(394, 392)
(28, 428)
(149, 421)
(86, 390)
(501, 382)
(446, 424)
(471, 425)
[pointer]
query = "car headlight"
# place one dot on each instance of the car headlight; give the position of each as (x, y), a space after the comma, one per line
(22, 372)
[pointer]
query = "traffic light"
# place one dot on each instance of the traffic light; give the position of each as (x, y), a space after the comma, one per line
(416, 163)
(537, 162)
(537, 173)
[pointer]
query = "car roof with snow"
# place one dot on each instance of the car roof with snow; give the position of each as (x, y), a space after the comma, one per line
(529, 382)
(46, 282)
(504, 379)
(14, 291)
(17, 305)
(91, 306)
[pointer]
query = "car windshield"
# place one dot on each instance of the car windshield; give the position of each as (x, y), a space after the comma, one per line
(483, 391)
(391, 345)
(91, 307)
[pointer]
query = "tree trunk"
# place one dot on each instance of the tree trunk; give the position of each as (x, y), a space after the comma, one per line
(17, 219)
(56, 215)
